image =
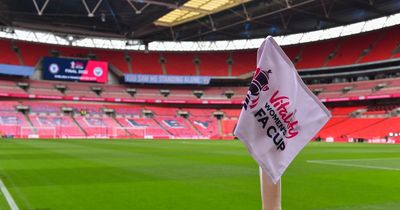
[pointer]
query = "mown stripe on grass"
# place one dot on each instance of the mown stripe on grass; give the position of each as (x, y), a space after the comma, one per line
(352, 165)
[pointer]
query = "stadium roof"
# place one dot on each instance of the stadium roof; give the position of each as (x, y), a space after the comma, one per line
(195, 9)
(141, 19)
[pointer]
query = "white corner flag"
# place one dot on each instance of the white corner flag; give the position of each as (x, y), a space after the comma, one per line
(280, 114)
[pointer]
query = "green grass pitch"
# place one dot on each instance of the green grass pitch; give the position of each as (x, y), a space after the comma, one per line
(179, 174)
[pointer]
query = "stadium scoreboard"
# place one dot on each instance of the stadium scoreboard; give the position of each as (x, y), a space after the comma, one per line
(75, 70)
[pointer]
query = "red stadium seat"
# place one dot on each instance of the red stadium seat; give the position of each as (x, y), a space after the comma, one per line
(7, 55)
(146, 63)
(351, 48)
(243, 62)
(315, 55)
(180, 63)
(383, 48)
(213, 64)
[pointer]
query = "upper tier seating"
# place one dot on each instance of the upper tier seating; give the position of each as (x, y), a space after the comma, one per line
(71, 52)
(7, 55)
(180, 63)
(384, 47)
(116, 58)
(214, 64)
(351, 48)
(292, 52)
(146, 63)
(243, 62)
(31, 53)
(366, 47)
(316, 54)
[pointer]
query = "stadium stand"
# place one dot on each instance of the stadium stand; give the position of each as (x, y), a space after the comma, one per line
(146, 63)
(384, 47)
(327, 91)
(310, 59)
(8, 106)
(200, 112)
(40, 107)
(31, 57)
(213, 64)
(207, 126)
(344, 111)
(292, 52)
(46, 120)
(148, 117)
(177, 126)
(231, 112)
(85, 109)
(345, 128)
(227, 127)
(125, 109)
(366, 47)
(180, 63)
(46, 126)
(10, 87)
(12, 124)
(181, 93)
(71, 52)
(243, 62)
(142, 127)
(7, 53)
(352, 48)
(377, 130)
(116, 58)
(97, 126)
(162, 111)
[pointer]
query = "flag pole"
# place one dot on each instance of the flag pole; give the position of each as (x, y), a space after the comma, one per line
(270, 192)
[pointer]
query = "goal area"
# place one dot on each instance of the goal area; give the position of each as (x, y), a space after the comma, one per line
(38, 132)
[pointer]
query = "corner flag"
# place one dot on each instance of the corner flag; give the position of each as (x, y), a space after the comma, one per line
(280, 115)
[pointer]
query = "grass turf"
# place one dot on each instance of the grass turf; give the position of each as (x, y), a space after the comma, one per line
(143, 174)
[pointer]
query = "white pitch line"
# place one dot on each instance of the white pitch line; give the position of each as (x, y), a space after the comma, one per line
(8, 196)
(353, 165)
(357, 159)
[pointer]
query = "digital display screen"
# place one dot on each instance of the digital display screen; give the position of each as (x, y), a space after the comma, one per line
(75, 70)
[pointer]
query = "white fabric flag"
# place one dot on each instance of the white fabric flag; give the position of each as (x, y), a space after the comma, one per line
(280, 114)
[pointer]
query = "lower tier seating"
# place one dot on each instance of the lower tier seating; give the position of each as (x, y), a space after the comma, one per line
(354, 122)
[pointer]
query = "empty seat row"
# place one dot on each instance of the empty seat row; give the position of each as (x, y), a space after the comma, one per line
(365, 47)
